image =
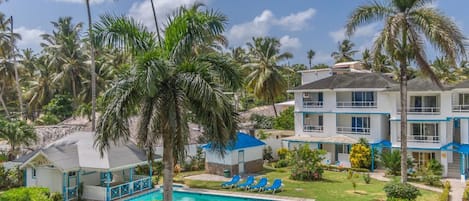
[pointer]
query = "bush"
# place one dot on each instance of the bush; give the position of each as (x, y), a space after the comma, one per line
(56, 196)
(306, 163)
(10, 178)
(60, 106)
(392, 161)
(261, 121)
(401, 191)
(360, 155)
(267, 153)
(282, 153)
(465, 195)
(286, 120)
(47, 119)
(281, 163)
(435, 167)
(340, 169)
(431, 173)
(26, 194)
(366, 178)
(445, 194)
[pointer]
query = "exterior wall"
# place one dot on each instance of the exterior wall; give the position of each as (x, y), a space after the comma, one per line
(231, 157)
(249, 167)
(45, 177)
(90, 178)
(308, 76)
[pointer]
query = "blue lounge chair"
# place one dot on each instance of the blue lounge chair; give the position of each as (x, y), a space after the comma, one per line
(231, 183)
(260, 185)
(276, 186)
(249, 181)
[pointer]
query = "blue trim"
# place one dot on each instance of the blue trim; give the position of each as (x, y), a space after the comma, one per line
(88, 173)
(108, 189)
(422, 120)
(418, 148)
(25, 177)
(64, 189)
(327, 112)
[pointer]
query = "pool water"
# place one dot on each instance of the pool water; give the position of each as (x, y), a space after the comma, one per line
(189, 196)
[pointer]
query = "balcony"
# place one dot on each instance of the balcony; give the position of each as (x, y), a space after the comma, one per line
(117, 190)
(460, 108)
(354, 130)
(356, 104)
(421, 139)
(312, 104)
(421, 110)
(313, 128)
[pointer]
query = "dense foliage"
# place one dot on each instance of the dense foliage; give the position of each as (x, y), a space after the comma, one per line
(18, 134)
(286, 120)
(360, 155)
(401, 191)
(391, 161)
(10, 178)
(306, 163)
(26, 194)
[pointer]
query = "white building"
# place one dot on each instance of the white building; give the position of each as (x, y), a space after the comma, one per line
(334, 112)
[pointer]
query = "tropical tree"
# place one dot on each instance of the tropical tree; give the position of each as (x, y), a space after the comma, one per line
(310, 55)
(366, 59)
(444, 71)
(17, 134)
(167, 83)
(41, 88)
(92, 67)
(265, 78)
(407, 25)
(344, 51)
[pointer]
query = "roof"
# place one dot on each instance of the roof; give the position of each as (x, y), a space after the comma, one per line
(422, 84)
(462, 85)
(243, 140)
(77, 151)
(346, 64)
(335, 139)
(351, 80)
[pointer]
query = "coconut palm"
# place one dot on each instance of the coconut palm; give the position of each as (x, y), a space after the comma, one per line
(344, 52)
(17, 134)
(310, 55)
(407, 24)
(265, 78)
(92, 67)
(444, 71)
(366, 59)
(167, 84)
(41, 87)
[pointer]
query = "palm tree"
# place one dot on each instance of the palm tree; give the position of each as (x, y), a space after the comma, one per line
(407, 24)
(92, 69)
(265, 78)
(366, 59)
(166, 84)
(344, 52)
(445, 72)
(17, 134)
(310, 54)
(41, 87)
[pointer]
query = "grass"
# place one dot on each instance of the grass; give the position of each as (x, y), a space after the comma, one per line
(334, 186)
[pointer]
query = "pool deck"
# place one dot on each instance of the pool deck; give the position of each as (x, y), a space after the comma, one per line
(226, 193)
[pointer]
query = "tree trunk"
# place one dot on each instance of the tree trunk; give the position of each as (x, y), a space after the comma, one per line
(11, 154)
(273, 105)
(93, 70)
(17, 78)
(74, 91)
(156, 24)
(168, 165)
(3, 101)
(403, 88)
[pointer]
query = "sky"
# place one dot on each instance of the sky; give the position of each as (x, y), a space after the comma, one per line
(300, 25)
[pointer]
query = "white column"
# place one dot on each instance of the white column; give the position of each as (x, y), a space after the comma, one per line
(444, 162)
(464, 131)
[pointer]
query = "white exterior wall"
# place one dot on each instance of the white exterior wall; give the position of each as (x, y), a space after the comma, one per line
(308, 76)
(231, 157)
(91, 178)
(45, 177)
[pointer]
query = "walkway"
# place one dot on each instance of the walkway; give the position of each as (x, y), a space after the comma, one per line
(457, 188)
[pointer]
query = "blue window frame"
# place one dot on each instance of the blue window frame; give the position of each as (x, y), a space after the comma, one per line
(360, 124)
(363, 98)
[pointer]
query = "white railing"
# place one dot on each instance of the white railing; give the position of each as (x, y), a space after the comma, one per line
(312, 128)
(356, 104)
(421, 110)
(312, 104)
(421, 139)
(353, 130)
(460, 108)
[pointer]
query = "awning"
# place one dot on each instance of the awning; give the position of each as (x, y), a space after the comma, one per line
(383, 143)
(336, 139)
(456, 147)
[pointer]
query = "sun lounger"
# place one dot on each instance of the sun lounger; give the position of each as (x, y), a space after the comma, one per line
(231, 183)
(276, 186)
(249, 181)
(260, 185)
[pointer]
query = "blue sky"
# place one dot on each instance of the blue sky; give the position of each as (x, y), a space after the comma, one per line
(299, 24)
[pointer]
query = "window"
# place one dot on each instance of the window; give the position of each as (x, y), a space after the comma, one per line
(312, 122)
(420, 159)
(423, 104)
(72, 174)
(463, 99)
(426, 132)
(34, 173)
(312, 99)
(342, 149)
(363, 98)
(361, 124)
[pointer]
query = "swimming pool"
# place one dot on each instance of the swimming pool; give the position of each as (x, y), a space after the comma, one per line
(191, 196)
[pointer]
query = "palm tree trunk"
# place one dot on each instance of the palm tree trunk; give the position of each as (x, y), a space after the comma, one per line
(273, 105)
(17, 78)
(93, 70)
(168, 165)
(74, 91)
(3, 101)
(403, 88)
(156, 24)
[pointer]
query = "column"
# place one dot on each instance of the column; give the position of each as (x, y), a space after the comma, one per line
(462, 170)
(108, 183)
(64, 188)
(444, 162)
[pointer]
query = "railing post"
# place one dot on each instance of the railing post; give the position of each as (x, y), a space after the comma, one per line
(108, 182)
(131, 186)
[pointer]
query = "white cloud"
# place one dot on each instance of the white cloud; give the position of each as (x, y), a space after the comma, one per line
(363, 31)
(262, 24)
(30, 38)
(288, 43)
(322, 57)
(83, 1)
(142, 11)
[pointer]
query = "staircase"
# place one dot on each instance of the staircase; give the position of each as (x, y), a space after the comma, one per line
(453, 168)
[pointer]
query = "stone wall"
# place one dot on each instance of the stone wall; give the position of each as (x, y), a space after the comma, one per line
(249, 167)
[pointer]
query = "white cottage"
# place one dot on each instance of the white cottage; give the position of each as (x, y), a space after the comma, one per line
(243, 157)
(62, 165)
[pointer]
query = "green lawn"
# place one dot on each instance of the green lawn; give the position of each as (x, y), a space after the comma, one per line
(335, 186)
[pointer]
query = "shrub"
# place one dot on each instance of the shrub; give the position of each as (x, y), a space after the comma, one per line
(261, 121)
(281, 163)
(392, 161)
(435, 167)
(26, 194)
(465, 195)
(47, 119)
(60, 106)
(263, 135)
(340, 168)
(282, 153)
(360, 155)
(267, 153)
(431, 173)
(10, 178)
(367, 178)
(286, 120)
(56, 196)
(401, 191)
(445, 194)
(306, 163)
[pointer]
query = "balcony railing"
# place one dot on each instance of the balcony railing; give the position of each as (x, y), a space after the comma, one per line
(421, 110)
(356, 104)
(460, 108)
(312, 128)
(353, 130)
(421, 139)
(312, 104)
(129, 188)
